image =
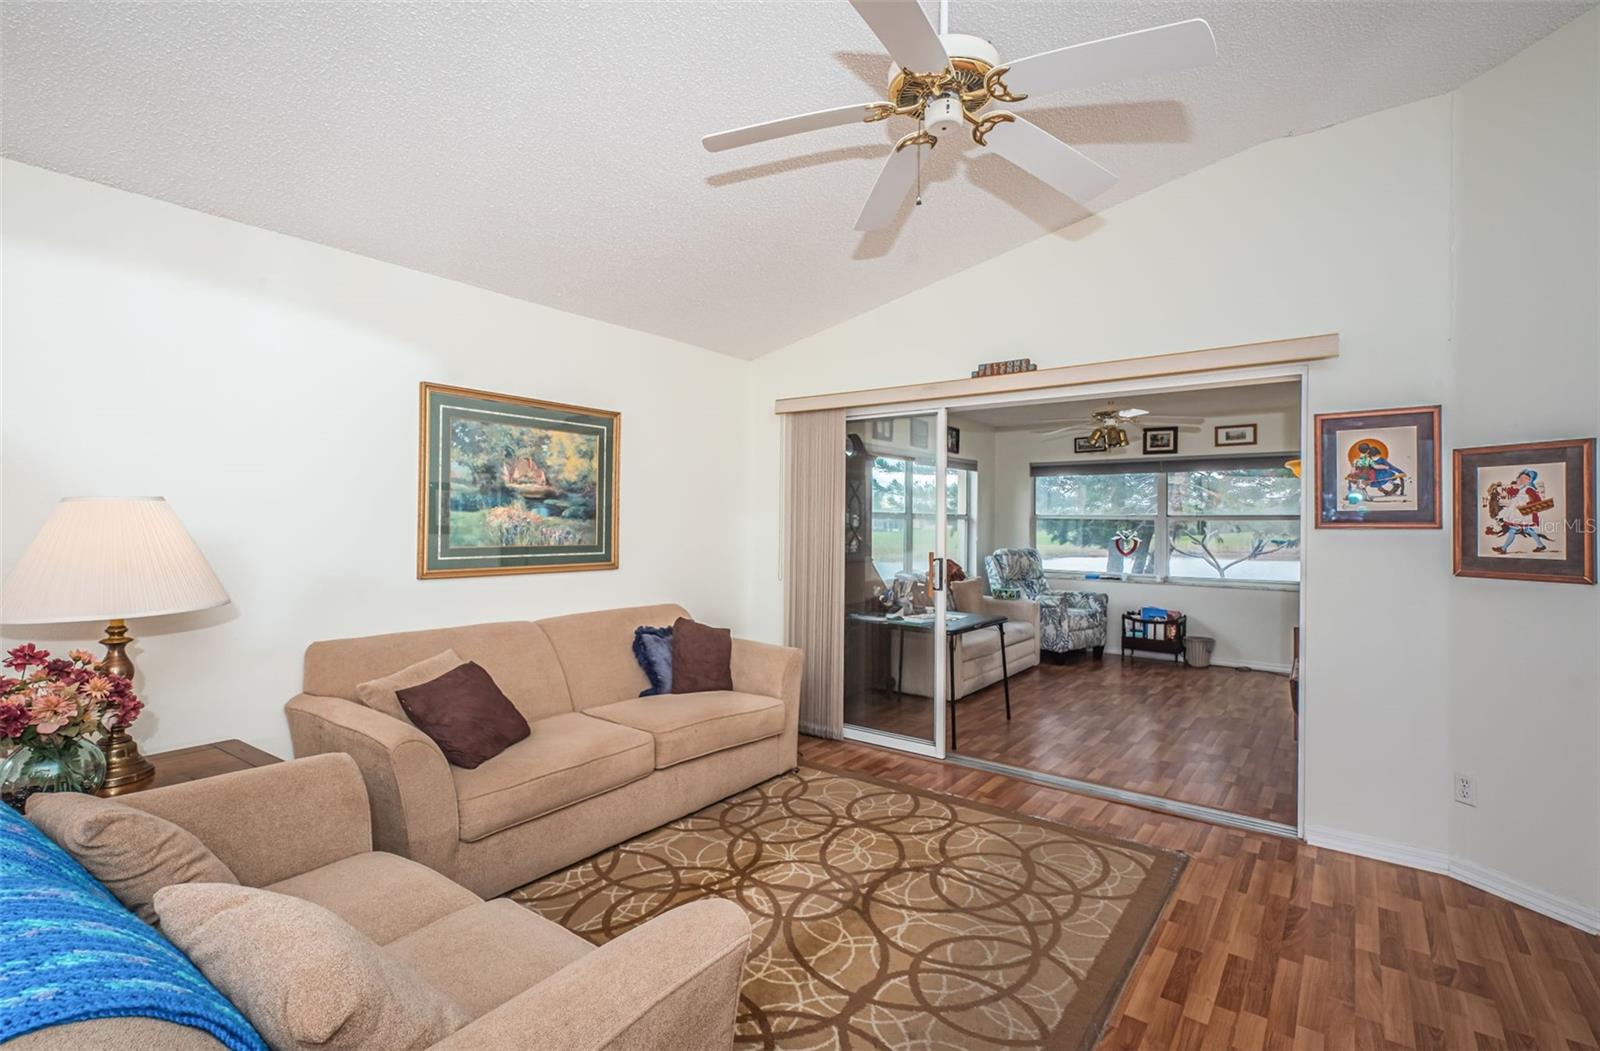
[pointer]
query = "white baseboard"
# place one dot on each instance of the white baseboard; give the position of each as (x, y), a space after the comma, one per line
(1573, 913)
(1271, 669)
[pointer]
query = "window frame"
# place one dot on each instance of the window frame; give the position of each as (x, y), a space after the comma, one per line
(1163, 516)
(909, 516)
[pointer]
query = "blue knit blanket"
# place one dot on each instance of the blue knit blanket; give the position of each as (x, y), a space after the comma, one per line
(69, 951)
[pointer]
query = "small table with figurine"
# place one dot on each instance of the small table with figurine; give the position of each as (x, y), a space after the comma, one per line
(1154, 634)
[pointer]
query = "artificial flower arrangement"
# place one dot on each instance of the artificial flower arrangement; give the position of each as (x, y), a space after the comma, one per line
(52, 702)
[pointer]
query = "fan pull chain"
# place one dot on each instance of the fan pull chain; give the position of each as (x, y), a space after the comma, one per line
(920, 130)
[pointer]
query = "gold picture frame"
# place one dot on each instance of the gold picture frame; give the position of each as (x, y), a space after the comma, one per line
(507, 484)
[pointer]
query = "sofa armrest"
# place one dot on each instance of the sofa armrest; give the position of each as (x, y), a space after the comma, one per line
(271, 822)
(762, 668)
(772, 671)
(670, 983)
(412, 794)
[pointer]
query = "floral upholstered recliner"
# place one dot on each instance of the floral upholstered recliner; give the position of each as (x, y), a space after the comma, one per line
(1068, 620)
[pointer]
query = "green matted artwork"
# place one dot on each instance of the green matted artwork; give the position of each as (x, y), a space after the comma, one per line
(514, 485)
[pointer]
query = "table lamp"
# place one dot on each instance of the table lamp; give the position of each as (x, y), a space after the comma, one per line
(109, 559)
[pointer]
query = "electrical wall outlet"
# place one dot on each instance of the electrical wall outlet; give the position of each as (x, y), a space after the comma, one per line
(1466, 791)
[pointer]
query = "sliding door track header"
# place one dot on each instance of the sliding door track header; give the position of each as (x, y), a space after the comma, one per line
(1243, 356)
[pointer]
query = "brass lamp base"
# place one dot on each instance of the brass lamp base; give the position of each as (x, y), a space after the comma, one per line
(126, 769)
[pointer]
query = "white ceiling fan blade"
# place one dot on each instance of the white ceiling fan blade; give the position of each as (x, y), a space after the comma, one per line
(1181, 421)
(1060, 432)
(777, 129)
(1052, 161)
(905, 33)
(899, 174)
(1181, 45)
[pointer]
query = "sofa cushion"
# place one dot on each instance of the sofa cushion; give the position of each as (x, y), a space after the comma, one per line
(984, 641)
(383, 694)
(132, 852)
(595, 650)
(483, 956)
(304, 977)
(688, 725)
(517, 653)
(702, 657)
(465, 714)
(383, 896)
(565, 759)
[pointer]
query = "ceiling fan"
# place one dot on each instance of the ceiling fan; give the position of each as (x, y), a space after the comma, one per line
(1106, 425)
(942, 80)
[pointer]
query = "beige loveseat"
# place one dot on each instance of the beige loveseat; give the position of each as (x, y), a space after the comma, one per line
(600, 765)
(976, 654)
(301, 829)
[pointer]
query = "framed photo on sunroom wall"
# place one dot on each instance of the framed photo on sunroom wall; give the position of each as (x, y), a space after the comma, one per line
(1378, 469)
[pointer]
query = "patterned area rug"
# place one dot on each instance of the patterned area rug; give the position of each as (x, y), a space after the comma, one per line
(890, 917)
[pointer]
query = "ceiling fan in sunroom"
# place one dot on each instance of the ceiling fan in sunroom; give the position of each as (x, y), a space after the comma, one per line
(945, 81)
(1104, 427)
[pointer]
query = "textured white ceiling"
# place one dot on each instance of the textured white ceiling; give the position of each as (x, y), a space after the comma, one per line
(551, 151)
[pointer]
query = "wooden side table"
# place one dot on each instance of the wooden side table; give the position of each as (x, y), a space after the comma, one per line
(205, 760)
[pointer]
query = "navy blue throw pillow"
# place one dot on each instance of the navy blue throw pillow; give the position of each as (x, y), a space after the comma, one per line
(652, 648)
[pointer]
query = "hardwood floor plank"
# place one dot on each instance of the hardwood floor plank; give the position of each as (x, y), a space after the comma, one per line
(1220, 737)
(1272, 944)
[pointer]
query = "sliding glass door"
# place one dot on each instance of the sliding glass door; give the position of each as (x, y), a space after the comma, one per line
(902, 510)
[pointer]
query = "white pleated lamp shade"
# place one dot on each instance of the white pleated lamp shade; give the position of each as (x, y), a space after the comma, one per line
(99, 559)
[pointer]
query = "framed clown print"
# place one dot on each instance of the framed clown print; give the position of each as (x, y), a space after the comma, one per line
(1378, 469)
(514, 485)
(1526, 512)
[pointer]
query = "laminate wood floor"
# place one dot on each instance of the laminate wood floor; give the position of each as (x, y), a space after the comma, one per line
(1219, 737)
(1272, 944)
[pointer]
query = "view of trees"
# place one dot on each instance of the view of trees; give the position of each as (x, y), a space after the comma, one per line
(517, 485)
(1215, 521)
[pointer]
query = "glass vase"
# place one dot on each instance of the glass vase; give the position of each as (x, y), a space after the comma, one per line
(74, 765)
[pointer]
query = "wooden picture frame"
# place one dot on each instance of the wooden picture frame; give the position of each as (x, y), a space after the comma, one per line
(507, 484)
(1085, 444)
(1378, 469)
(1526, 511)
(952, 440)
(1227, 435)
(1160, 441)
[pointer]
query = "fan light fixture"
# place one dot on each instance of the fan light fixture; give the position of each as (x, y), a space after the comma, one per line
(944, 81)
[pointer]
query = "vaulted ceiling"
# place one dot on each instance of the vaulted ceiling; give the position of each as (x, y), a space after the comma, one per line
(550, 151)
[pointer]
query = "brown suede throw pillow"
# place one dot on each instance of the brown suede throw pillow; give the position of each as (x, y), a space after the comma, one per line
(133, 853)
(466, 715)
(702, 657)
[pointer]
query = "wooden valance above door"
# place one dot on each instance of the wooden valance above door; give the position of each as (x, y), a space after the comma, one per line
(1213, 359)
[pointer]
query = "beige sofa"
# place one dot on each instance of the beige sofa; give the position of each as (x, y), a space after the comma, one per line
(976, 654)
(600, 765)
(302, 829)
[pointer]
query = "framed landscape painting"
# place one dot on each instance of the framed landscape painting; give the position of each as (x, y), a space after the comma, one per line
(514, 485)
(1526, 512)
(1378, 469)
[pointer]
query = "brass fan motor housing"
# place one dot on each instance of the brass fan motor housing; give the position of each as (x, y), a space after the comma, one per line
(909, 92)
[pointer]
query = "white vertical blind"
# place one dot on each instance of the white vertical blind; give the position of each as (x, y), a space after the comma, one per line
(813, 563)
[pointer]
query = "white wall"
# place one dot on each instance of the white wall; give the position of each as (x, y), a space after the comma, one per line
(1346, 230)
(268, 388)
(1525, 678)
(1410, 672)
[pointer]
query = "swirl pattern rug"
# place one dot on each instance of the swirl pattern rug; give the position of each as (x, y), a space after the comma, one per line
(890, 917)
